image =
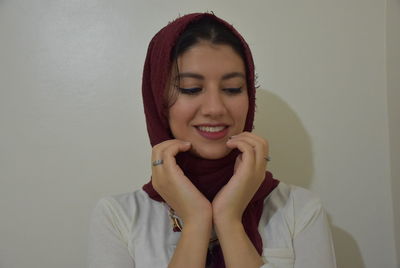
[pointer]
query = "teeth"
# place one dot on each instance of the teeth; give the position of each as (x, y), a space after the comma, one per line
(211, 129)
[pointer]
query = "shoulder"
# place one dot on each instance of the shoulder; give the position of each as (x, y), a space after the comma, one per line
(293, 227)
(291, 197)
(125, 201)
(293, 205)
(284, 193)
(122, 210)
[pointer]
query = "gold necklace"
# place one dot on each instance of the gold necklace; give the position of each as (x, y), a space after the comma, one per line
(177, 225)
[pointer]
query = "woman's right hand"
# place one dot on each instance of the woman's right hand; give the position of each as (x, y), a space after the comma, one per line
(174, 187)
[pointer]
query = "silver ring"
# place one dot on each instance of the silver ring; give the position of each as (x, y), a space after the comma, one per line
(157, 162)
(267, 158)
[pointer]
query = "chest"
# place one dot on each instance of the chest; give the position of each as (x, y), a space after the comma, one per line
(152, 242)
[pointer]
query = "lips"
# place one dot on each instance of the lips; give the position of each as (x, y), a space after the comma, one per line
(211, 128)
(213, 132)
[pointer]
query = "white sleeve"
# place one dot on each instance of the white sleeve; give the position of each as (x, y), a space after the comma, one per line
(108, 245)
(312, 241)
(269, 265)
(296, 231)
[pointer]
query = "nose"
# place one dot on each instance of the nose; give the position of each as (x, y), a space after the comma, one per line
(213, 104)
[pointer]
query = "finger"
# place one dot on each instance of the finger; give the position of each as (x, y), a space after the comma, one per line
(167, 170)
(248, 152)
(259, 145)
(162, 145)
(158, 150)
(260, 141)
(169, 153)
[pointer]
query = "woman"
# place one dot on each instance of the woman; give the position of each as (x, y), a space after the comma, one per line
(210, 202)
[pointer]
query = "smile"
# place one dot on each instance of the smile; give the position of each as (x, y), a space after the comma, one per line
(212, 132)
(211, 129)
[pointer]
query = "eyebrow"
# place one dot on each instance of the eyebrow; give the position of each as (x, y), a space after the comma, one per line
(200, 77)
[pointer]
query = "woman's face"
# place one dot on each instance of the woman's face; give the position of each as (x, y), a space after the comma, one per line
(212, 103)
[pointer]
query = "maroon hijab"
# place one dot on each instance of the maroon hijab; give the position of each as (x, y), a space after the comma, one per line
(209, 176)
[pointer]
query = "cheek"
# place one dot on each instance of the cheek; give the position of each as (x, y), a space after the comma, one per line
(174, 121)
(240, 110)
(179, 118)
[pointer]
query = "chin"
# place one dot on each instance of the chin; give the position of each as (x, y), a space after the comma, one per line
(212, 153)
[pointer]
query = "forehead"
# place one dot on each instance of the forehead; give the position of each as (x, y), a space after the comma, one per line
(210, 58)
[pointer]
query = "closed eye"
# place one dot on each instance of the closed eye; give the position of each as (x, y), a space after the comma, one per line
(233, 90)
(189, 91)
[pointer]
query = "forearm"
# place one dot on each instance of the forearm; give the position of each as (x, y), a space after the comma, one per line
(192, 247)
(236, 246)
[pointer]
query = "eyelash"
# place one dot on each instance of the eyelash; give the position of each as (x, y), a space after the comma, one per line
(189, 91)
(197, 90)
(233, 90)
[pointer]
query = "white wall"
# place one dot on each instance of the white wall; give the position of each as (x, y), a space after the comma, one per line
(393, 88)
(72, 124)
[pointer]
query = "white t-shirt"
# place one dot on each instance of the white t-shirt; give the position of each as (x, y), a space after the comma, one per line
(132, 230)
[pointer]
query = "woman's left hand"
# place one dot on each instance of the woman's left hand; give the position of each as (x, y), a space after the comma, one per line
(249, 172)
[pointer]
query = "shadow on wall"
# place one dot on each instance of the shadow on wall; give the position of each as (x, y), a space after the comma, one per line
(292, 162)
(290, 145)
(348, 254)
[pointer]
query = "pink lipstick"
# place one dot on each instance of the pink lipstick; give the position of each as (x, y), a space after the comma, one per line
(212, 132)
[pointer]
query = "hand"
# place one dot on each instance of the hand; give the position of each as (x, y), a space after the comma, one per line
(249, 172)
(174, 187)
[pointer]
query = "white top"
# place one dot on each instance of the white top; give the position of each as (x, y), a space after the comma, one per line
(132, 230)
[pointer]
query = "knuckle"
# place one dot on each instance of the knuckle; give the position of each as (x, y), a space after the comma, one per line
(157, 148)
(154, 149)
(264, 141)
(159, 145)
(264, 144)
(167, 151)
(249, 151)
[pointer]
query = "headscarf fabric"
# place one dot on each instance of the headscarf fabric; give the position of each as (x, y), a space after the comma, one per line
(209, 176)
